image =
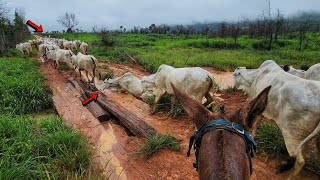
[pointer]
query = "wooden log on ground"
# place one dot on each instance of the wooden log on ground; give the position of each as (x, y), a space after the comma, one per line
(93, 107)
(137, 126)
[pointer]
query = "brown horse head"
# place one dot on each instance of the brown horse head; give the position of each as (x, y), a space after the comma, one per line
(222, 154)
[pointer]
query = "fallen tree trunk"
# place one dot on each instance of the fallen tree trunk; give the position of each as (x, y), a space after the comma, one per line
(93, 107)
(137, 126)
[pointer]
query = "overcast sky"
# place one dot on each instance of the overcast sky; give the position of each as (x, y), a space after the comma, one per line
(128, 13)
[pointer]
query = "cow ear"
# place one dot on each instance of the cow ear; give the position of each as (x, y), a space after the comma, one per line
(286, 68)
(196, 111)
(256, 107)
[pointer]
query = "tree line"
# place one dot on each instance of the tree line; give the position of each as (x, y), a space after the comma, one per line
(13, 31)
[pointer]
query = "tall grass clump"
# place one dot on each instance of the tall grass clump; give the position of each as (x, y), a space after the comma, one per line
(21, 87)
(41, 149)
(270, 139)
(156, 142)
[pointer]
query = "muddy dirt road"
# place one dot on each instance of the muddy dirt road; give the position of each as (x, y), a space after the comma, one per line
(113, 141)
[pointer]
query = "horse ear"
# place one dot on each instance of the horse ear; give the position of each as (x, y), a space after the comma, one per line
(257, 106)
(197, 112)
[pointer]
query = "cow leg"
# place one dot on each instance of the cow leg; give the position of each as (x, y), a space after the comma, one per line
(158, 93)
(173, 100)
(80, 73)
(209, 99)
(300, 151)
(93, 76)
(88, 77)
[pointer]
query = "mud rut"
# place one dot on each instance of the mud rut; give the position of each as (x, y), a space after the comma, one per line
(115, 148)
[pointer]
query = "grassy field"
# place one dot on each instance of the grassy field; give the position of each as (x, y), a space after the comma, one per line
(152, 50)
(35, 148)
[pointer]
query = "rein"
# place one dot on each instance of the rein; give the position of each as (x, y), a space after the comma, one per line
(234, 127)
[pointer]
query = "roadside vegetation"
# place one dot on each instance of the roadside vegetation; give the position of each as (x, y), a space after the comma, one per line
(157, 142)
(36, 148)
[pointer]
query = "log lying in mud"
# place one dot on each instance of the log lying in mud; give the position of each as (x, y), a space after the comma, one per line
(93, 107)
(137, 126)
(130, 120)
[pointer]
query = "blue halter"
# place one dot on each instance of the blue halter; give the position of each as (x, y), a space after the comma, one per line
(234, 127)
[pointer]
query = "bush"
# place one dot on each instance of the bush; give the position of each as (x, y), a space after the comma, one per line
(107, 39)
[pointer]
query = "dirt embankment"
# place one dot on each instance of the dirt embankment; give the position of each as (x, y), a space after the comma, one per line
(117, 143)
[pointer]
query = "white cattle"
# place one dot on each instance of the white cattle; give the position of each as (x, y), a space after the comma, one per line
(88, 63)
(62, 56)
(24, 47)
(67, 45)
(51, 47)
(313, 73)
(195, 81)
(76, 44)
(293, 71)
(84, 48)
(60, 43)
(293, 103)
(128, 82)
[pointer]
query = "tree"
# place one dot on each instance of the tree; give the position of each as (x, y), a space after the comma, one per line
(278, 25)
(235, 31)
(222, 29)
(302, 30)
(94, 29)
(69, 21)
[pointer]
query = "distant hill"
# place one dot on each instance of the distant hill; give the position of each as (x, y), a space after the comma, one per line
(302, 16)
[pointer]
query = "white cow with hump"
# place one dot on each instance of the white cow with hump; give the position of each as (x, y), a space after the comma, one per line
(87, 63)
(194, 81)
(60, 56)
(294, 104)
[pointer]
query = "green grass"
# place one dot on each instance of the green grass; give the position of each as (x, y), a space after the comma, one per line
(164, 105)
(154, 143)
(21, 87)
(41, 149)
(270, 139)
(152, 50)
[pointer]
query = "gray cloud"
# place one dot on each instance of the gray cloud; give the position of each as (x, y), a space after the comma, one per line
(114, 13)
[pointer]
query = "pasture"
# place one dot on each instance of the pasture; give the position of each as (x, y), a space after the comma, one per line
(152, 50)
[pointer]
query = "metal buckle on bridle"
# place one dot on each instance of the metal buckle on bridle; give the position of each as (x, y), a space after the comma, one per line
(235, 128)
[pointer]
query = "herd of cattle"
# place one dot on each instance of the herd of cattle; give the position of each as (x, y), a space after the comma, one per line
(62, 51)
(293, 101)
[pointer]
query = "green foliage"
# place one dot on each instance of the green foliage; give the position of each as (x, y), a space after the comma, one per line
(21, 87)
(154, 143)
(41, 149)
(270, 139)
